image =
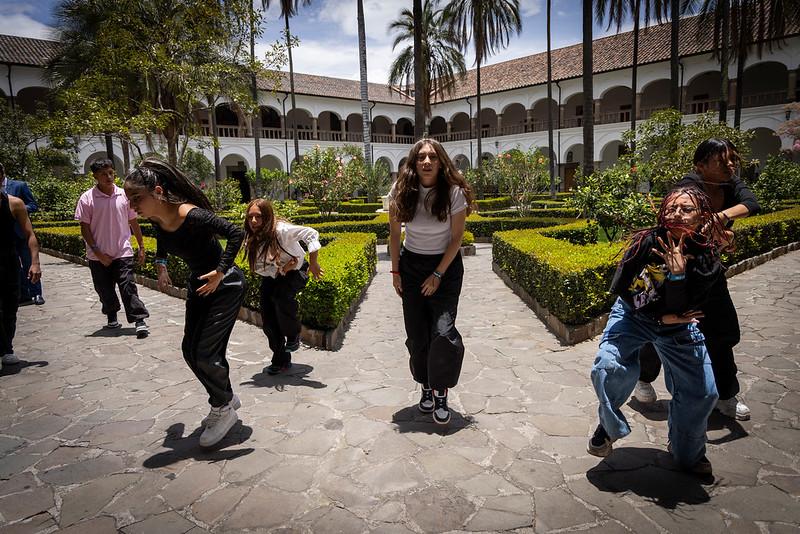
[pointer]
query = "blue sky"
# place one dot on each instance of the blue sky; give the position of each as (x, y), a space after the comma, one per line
(329, 37)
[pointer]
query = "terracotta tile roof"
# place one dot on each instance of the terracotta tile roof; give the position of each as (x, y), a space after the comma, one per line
(311, 84)
(26, 51)
(609, 53)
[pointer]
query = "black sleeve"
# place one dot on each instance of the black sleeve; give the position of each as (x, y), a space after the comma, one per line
(161, 250)
(631, 264)
(743, 195)
(223, 228)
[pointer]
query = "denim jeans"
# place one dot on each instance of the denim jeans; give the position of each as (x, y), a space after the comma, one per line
(687, 372)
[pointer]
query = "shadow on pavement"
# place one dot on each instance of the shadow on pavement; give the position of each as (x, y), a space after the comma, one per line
(717, 421)
(294, 376)
(184, 447)
(113, 332)
(652, 411)
(410, 419)
(15, 368)
(650, 474)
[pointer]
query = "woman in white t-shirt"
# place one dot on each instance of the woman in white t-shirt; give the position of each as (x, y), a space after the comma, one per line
(274, 251)
(433, 200)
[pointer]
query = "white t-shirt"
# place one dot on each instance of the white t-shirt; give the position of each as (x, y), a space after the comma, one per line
(425, 234)
(289, 237)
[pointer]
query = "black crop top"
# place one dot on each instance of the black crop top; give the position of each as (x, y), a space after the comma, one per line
(195, 242)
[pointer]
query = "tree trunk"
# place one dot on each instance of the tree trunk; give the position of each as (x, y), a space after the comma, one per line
(362, 59)
(588, 91)
(126, 156)
(723, 64)
(214, 140)
(741, 56)
(634, 69)
(254, 88)
(478, 124)
(550, 105)
(674, 57)
(110, 150)
(291, 89)
(419, 74)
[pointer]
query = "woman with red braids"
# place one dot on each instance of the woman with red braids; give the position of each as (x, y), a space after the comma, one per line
(664, 277)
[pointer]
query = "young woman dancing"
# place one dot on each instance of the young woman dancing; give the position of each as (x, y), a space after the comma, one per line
(666, 275)
(274, 248)
(433, 200)
(187, 227)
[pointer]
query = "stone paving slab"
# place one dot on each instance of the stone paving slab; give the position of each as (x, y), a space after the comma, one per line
(98, 430)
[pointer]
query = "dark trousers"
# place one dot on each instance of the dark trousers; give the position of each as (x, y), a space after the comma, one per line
(119, 273)
(209, 323)
(720, 326)
(434, 345)
(9, 302)
(27, 289)
(279, 311)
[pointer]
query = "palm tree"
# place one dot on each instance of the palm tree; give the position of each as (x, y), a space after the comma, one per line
(719, 11)
(256, 119)
(442, 61)
(419, 74)
(674, 54)
(488, 24)
(588, 90)
(289, 9)
(617, 11)
(362, 59)
(549, 104)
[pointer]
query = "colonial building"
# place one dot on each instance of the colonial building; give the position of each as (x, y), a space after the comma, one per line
(514, 103)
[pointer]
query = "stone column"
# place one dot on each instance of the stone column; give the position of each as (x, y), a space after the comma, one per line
(562, 111)
(597, 111)
(314, 132)
(791, 88)
(499, 124)
(393, 132)
(639, 106)
(529, 120)
(732, 88)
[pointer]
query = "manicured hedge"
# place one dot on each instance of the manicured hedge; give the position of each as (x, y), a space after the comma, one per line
(318, 218)
(565, 213)
(572, 280)
(348, 260)
(359, 207)
(494, 204)
(486, 226)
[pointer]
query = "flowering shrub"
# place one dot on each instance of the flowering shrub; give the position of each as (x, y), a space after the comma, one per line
(521, 175)
(270, 184)
(327, 176)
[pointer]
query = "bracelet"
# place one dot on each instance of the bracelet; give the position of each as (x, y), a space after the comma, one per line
(437, 274)
(676, 277)
(161, 261)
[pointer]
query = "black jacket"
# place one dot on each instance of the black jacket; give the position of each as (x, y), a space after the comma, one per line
(735, 191)
(640, 279)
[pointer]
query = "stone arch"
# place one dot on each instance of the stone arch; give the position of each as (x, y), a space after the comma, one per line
(573, 111)
(764, 143)
(329, 126)
(615, 105)
(303, 123)
(271, 162)
(571, 159)
(31, 99)
(228, 122)
(118, 164)
(764, 84)
(539, 112)
(381, 125)
(515, 117)
(438, 128)
(610, 153)
(655, 96)
(702, 92)
(462, 162)
(405, 128)
(460, 127)
(488, 122)
(354, 128)
(387, 162)
(234, 167)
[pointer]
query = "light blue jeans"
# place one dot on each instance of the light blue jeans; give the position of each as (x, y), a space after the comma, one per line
(687, 372)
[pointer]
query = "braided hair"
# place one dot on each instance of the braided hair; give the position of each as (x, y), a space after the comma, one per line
(176, 187)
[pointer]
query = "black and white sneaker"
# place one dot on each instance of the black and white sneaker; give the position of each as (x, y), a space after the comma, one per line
(600, 443)
(293, 344)
(426, 404)
(441, 414)
(112, 323)
(142, 331)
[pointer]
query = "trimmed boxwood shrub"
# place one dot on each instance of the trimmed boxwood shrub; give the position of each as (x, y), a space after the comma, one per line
(494, 204)
(359, 207)
(572, 280)
(348, 260)
(564, 213)
(318, 218)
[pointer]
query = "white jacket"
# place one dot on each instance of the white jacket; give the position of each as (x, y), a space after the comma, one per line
(289, 237)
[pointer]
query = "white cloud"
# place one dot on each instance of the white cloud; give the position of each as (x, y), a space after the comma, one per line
(529, 8)
(378, 14)
(16, 20)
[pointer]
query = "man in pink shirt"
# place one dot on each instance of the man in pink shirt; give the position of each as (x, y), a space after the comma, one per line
(106, 224)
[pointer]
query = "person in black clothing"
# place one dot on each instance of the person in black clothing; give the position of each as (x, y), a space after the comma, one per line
(13, 216)
(716, 161)
(664, 278)
(186, 226)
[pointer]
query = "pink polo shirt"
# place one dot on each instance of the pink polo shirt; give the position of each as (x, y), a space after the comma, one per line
(107, 217)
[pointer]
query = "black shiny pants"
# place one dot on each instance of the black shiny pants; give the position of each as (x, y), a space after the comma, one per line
(279, 311)
(209, 323)
(434, 345)
(9, 300)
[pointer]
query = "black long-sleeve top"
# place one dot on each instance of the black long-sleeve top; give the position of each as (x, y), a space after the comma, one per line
(640, 279)
(735, 191)
(195, 242)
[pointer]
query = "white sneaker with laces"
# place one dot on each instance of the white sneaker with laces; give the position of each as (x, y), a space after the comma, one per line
(734, 409)
(218, 423)
(10, 359)
(235, 404)
(644, 392)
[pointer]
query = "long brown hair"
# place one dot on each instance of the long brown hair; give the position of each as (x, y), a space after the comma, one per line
(152, 172)
(265, 238)
(438, 199)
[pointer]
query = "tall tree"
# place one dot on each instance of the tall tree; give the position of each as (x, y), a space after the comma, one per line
(588, 90)
(419, 73)
(674, 54)
(256, 115)
(617, 12)
(550, 103)
(441, 58)
(488, 25)
(362, 60)
(289, 9)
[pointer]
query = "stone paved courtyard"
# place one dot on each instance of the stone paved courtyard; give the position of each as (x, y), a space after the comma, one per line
(98, 430)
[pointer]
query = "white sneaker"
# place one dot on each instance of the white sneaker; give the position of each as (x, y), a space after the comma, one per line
(218, 423)
(734, 409)
(10, 359)
(644, 392)
(235, 404)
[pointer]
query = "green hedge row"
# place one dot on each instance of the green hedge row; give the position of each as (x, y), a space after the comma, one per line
(571, 280)
(359, 207)
(565, 213)
(349, 261)
(318, 218)
(494, 204)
